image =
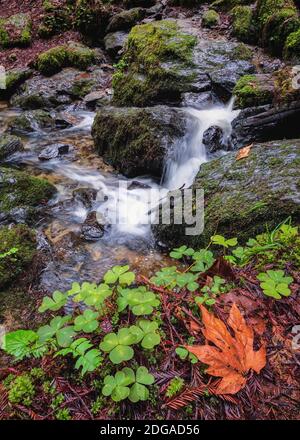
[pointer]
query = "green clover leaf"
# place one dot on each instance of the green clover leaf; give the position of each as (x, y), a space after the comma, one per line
(87, 322)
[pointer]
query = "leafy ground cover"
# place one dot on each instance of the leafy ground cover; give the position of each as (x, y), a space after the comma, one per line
(211, 336)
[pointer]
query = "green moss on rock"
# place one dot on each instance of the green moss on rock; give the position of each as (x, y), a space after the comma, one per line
(15, 31)
(253, 90)
(244, 197)
(71, 55)
(242, 23)
(157, 64)
(17, 249)
(210, 19)
(18, 189)
(13, 79)
(278, 27)
(292, 47)
(266, 8)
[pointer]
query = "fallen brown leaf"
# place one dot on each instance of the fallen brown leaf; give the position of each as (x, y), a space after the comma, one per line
(232, 357)
(244, 152)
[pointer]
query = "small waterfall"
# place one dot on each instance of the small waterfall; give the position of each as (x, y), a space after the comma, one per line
(182, 167)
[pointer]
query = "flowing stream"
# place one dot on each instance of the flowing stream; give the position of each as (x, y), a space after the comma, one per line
(128, 240)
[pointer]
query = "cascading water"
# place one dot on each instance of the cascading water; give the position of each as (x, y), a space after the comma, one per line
(125, 205)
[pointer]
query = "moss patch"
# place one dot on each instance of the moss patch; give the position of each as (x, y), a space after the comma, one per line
(17, 249)
(14, 78)
(18, 189)
(249, 92)
(15, 31)
(71, 55)
(292, 47)
(242, 23)
(266, 8)
(210, 19)
(277, 28)
(157, 64)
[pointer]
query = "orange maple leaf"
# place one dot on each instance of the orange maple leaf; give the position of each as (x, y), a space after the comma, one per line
(232, 357)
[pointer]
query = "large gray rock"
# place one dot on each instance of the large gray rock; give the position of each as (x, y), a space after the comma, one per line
(61, 89)
(38, 120)
(115, 41)
(136, 140)
(244, 196)
(9, 145)
(164, 61)
(266, 123)
(125, 20)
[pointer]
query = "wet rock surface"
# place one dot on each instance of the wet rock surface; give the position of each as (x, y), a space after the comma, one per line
(53, 151)
(243, 196)
(136, 140)
(9, 145)
(91, 229)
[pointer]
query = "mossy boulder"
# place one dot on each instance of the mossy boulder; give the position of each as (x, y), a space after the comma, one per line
(9, 145)
(136, 140)
(71, 55)
(14, 78)
(157, 65)
(210, 19)
(260, 89)
(243, 26)
(18, 189)
(243, 197)
(254, 90)
(17, 249)
(125, 20)
(292, 47)
(37, 120)
(63, 88)
(15, 31)
(277, 28)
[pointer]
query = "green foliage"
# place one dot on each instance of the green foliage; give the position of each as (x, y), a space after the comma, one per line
(23, 343)
(292, 46)
(63, 414)
(119, 274)
(210, 292)
(21, 390)
(140, 301)
(170, 277)
(174, 387)
(147, 333)
(249, 92)
(222, 241)
(243, 26)
(118, 345)
(275, 284)
(55, 303)
(204, 259)
(90, 294)
(185, 354)
(88, 360)
(182, 251)
(118, 386)
(57, 329)
(10, 252)
(87, 322)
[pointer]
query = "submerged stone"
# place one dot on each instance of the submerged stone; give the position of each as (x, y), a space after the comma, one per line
(53, 151)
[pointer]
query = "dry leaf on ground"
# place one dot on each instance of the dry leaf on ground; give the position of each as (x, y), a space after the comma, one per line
(232, 357)
(244, 152)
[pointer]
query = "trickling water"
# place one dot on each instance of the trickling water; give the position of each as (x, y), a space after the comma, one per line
(132, 230)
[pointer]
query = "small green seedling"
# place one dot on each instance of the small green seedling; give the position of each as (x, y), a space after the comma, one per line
(119, 274)
(181, 252)
(88, 359)
(87, 322)
(184, 354)
(55, 303)
(56, 329)
(118, 345)
(221, 241)
(275, 284)
(140, 301)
